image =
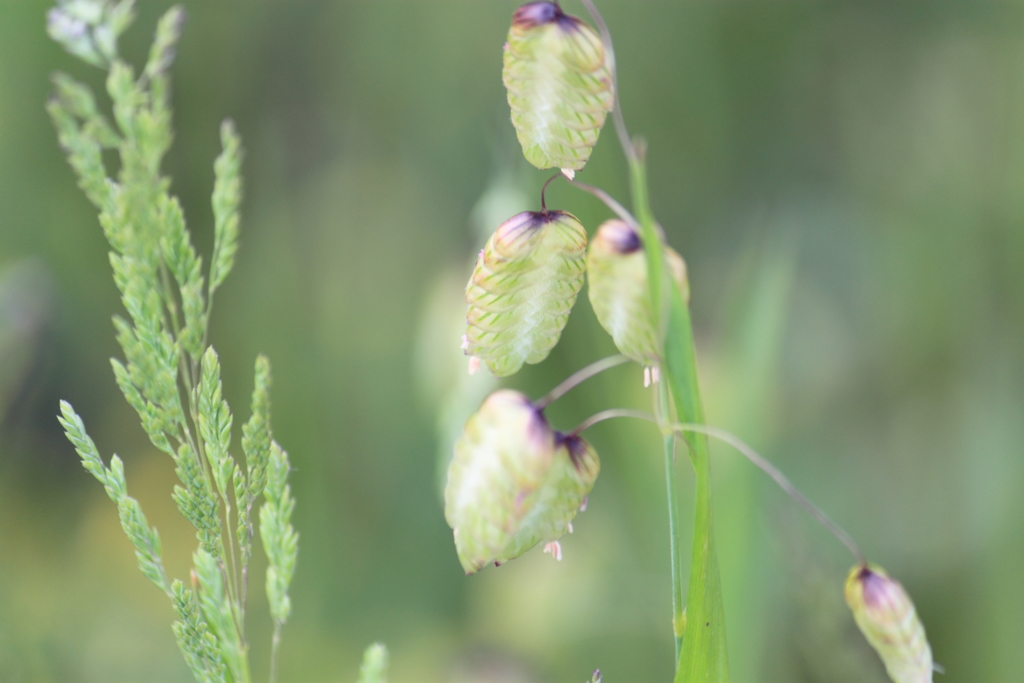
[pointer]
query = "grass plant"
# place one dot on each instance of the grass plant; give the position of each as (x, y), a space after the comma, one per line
(170, 373)
(515, 482)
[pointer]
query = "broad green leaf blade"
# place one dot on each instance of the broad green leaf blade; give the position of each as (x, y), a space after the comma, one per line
(559, 85)
(523, 286)
(704, 657)
(620, 294)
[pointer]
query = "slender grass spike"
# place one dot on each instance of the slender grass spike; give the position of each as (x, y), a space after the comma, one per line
(523, 286)
(619, 294)
(514, 482)
(559, 86)
(886, 617)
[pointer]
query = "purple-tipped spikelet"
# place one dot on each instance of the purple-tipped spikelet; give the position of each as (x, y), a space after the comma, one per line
(619, 293)
(559, 85)
(886, 617)
(523, 286)
(514, 482)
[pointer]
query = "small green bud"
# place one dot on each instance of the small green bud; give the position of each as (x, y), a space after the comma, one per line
(886, 617)
(524, 284)
(619, 292)
(514, 482)
(559, 85)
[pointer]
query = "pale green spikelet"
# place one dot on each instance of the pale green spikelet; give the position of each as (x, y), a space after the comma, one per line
(256, 443)
(168, 31)
(256, 435)
(886, 616)
(215, 424)
(154, 421)
(523, 287)
(374, 668)
(514, 482)
(280, 541)
(145, 538)
(198, 644)
(227, 195)
(196, 500)
(217, 610)
(619, 293)
(187, 268)
(84, 152)
(559, 85)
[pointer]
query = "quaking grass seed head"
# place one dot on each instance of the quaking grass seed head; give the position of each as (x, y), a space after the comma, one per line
(887, 618)
(522, 289)
(514, 482)
(559, 85)
(619, 291)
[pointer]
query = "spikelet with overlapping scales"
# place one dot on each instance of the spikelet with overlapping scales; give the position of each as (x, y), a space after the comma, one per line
(886, 617)
(559, 85)
(514, 482)
(523, 286)
(619, 293)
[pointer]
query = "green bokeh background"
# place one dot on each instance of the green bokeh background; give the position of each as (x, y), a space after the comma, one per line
(846, 182)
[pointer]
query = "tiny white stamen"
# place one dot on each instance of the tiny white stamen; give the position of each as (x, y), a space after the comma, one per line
(568, 173)
(647, 377)
(474, 364)
(555, 548)
(655, 375)
(569, 526)
(465, 343)
(583, 505)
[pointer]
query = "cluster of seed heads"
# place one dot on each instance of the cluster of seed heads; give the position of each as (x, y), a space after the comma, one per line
(515, 482)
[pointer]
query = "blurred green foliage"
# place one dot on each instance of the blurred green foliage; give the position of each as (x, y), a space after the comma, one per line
(845, 182)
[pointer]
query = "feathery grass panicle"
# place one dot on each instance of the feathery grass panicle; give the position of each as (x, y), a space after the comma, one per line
(169, 374)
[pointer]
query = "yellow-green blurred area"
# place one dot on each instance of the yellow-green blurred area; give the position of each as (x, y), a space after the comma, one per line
(846, 182)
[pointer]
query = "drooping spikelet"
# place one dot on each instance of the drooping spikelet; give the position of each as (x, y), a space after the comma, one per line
(523, 286)
(559, 85)
(886, 617)
(619, 293)
(514, 482)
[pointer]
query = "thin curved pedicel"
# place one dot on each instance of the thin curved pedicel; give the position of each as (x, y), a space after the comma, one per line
(559, 85)
(886, 617)
(514, 482)
(523, 287)
(617, 271)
